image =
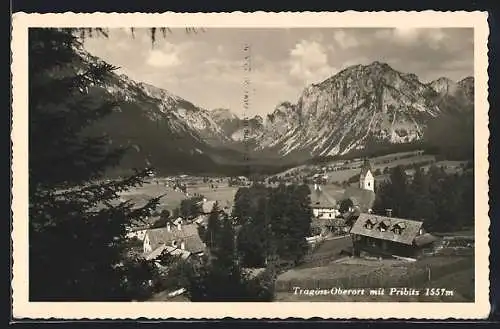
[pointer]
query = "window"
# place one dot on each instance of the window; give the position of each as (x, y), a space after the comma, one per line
(370, 224)
(383, 226)
(398, 228)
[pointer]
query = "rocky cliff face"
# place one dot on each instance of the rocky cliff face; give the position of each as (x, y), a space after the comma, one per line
(235, 128)
(358, 106)
(361, 106)
(165, 131)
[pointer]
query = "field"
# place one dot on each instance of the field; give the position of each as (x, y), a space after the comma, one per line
(388, 161)
(172, 198)
(326, 252)
(334, 191)
(450, 268)
(454, 274)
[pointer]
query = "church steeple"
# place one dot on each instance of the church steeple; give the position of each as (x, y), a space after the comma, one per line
(366, 167)
(366, 180)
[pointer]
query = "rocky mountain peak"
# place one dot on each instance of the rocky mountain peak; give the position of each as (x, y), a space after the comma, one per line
(359, 105)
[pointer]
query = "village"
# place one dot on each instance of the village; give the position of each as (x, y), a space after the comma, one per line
(345, 233)
(249, 165)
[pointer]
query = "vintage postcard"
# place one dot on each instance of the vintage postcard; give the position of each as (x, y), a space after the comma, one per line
(259, 165)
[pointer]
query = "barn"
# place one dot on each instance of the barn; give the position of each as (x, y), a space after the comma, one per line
(388, 236)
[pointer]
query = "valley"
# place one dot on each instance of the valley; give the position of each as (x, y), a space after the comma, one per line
(362, 111)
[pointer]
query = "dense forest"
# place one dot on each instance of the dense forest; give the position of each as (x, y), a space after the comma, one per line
(445, 202)
(274, 222)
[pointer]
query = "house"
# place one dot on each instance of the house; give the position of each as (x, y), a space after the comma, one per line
(183, 237)
(201, 219)
(322, 204)
(178, 220)
(384, 235)
(337, 225)
(207, 206)
(138, 232)
(361, 198)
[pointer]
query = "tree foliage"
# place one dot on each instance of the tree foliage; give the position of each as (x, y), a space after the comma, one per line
(191, 207)
(345, 205)
(443, 201)
(218, 276)
(274, 222)
(77, 225)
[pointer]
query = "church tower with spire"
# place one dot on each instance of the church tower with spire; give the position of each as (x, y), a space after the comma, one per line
(366, 179)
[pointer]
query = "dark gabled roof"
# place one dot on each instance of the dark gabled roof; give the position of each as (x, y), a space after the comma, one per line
(320, 199)
(407, 236)
(188, 234)
(362, 198)
(366, 167)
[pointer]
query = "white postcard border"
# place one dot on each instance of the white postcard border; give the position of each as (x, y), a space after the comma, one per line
(22, 308)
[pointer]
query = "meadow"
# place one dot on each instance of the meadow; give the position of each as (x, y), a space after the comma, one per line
(454, 273)
(172, 198)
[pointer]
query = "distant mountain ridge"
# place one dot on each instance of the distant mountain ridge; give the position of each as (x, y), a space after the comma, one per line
(360, 106)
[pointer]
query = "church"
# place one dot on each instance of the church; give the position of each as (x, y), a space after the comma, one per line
(366, 179)
(363, 195)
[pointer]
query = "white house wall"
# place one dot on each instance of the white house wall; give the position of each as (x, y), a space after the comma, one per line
(325, 213)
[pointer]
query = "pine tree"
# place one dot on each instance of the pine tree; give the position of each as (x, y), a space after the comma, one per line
(395, 194)
(219, 276)
(423, 207)
(77, 225)
(241, 209)
(255, 235)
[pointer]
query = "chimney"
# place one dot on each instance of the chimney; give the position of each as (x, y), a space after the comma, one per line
(179, 226)
(388, 212)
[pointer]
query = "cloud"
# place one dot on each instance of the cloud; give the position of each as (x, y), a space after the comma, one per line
(406, 34)
(309, 62)
(413, 37)
(345, 40)
(207, 68)
(167, 56)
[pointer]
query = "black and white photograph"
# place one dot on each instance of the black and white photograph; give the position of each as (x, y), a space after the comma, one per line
(206, 163)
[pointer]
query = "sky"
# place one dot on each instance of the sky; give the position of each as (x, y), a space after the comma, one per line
(207, 68)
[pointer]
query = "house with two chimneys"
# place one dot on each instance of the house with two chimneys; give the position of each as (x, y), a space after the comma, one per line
(179, 239)
(322, 204)
(389, 236)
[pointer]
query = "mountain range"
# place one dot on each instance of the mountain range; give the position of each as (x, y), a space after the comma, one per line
(356, 109)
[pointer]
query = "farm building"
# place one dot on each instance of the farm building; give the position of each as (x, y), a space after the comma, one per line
(361, 198)
(325, 227)
(181, 237)
(322, 204)
(382, 235)
(206, 206)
